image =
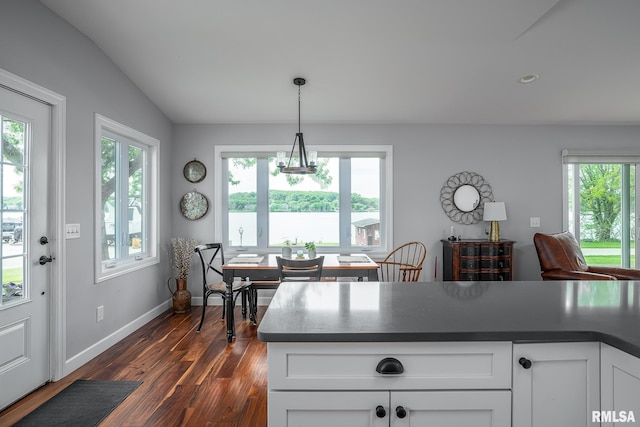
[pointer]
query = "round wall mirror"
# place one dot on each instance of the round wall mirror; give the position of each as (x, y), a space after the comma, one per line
(466, 198)
(463, 197)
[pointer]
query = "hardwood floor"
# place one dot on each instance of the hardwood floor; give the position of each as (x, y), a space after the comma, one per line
(189, 379)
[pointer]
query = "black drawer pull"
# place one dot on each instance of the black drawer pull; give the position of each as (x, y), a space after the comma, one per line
(380, 412)
(525, 363)
(389, 366)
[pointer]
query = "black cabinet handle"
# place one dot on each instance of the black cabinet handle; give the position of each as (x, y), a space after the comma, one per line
(525, 363)
(389, 366)
(380, 412)
(401, 412)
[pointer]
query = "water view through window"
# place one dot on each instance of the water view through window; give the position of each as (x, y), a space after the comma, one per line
(339, 206)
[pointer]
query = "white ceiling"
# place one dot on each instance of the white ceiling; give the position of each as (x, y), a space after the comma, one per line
(374, 61)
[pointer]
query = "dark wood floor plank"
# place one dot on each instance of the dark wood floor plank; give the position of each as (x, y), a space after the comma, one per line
(189, 378)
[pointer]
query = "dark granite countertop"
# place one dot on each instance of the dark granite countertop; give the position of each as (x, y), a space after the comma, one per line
(528, 311)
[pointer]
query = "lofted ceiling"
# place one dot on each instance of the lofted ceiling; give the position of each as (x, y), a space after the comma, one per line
(374, 61)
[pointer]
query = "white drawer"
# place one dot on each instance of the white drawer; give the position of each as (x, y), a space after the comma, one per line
(426, 366)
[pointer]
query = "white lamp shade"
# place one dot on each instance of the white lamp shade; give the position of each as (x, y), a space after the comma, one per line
(494, 211)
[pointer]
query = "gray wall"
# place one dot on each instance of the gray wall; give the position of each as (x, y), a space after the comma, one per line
(522, 164)
(37, 45)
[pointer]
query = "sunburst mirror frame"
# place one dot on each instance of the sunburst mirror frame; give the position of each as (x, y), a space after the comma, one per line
(452, 185)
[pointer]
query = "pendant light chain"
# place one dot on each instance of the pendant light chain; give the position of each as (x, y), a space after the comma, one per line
(299, 103)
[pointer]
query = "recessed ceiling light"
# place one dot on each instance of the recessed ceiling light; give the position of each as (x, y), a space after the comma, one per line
(529, 78)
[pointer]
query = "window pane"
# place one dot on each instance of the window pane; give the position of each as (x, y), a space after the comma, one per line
(305, 208)
(13, 210)
(607, 214)
(243, 202)
(365, 202)
(13, 141)
(135, 205)
(109, 208)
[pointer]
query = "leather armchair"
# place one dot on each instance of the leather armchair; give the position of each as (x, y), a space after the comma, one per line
(561, 258)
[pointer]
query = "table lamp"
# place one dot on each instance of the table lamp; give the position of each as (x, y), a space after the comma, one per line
(494, 212)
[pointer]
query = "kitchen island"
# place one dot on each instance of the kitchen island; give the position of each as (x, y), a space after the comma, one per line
(350, 353)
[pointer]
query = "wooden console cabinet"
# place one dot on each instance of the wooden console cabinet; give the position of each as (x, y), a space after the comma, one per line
(477, 260)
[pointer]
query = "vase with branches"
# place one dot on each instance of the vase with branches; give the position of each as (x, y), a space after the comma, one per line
(183, 249)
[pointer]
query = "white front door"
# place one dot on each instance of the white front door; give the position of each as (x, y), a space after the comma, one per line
(24, 304)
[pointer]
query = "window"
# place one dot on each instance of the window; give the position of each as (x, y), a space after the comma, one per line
(600, 204)
(344, 207)
(126, 199)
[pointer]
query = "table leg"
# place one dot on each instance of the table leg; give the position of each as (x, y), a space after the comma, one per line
(229, 303)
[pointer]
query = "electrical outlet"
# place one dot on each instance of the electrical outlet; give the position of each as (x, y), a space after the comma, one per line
(534, 222)
(100, 313)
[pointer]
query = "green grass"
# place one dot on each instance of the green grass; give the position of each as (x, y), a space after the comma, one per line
(12, 275)
(603, 245)
(610, 260)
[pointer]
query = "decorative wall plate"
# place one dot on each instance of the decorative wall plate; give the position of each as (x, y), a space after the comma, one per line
(468, 211)
(194, 205)
(194, 171)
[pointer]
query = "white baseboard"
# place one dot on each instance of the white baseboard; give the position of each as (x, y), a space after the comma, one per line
(96, 349)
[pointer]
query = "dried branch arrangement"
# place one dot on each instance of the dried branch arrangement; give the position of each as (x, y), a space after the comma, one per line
(183, 250)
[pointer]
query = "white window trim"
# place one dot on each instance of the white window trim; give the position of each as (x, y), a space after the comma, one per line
(604, 156)
(579, 156)
(104, 123)
(386, 211)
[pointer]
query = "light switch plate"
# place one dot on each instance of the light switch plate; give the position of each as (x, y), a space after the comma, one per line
(72, 231)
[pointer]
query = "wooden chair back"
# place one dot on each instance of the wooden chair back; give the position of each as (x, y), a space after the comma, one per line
(403, 264)
(300, 269)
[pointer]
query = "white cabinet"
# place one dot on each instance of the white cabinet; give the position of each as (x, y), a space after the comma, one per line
(328, 409)
(555, 384)
(485, 408)
(620, 378)
(396, 409)
(389, 384)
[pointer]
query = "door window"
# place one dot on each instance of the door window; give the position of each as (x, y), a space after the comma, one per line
(14, 133)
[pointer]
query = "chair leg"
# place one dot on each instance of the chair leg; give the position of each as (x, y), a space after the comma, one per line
(244, 304)
(254, 305)
(204, 305)
(224, 306)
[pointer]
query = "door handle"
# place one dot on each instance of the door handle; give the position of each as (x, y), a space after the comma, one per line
(45, 259)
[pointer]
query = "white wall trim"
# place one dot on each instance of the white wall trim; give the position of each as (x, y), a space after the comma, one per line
(57, 312)
(96, 349)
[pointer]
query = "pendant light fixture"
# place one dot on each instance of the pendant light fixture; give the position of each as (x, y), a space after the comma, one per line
(307, 163)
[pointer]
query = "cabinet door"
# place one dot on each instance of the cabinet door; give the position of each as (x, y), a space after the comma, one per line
(491, 408)
(560, 387)
(620, 377)
(328, 409)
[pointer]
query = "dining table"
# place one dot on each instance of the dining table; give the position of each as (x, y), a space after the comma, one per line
(264, 268)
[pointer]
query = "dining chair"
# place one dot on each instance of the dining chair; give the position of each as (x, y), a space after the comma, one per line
(211, 255)
(404, 263)
(300, 269)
